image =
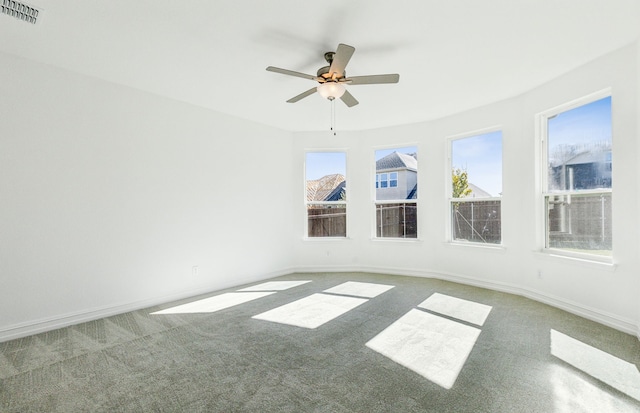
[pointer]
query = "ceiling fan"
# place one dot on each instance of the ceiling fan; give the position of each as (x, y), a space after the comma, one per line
(332, 78)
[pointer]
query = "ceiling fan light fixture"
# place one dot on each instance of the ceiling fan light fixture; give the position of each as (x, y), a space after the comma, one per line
(331, 90)
(333, 77)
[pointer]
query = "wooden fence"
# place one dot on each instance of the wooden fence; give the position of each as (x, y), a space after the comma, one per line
(580, 222)
(396, 220)
(477, 221)
(326, 221)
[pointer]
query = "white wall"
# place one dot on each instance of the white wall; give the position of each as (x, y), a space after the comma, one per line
(637, 170)
(109, 196)
(604, 293)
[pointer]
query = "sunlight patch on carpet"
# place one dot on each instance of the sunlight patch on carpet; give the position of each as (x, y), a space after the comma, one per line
(432, 346)
(574, 392)
(274, 286)
(216, 303)
(609, 369)
(312, 311)
(464, 310)
(359, 289)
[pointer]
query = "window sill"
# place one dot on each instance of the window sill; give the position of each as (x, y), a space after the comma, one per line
(325, 239)
(390, 239)
(601, 263)
(486, 247)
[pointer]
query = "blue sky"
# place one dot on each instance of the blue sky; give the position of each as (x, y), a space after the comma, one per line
(481, 157)
(587, 123)
(319, 164)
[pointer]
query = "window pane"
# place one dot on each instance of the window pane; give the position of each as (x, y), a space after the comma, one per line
(579, 161)
(398, 170)
(327, 221)
(326, 194)
(476, 221)
(393, 179)
(325, 174)
(579, 148)
(401, 163)
(396, 220)
(580, 223)
(476, 172)
(383, 178)
(477, 166)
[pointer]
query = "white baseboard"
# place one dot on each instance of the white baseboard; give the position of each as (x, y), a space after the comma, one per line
(611, 320)
(64, 320)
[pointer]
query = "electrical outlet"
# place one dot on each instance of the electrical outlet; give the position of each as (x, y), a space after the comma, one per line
(539, 274)
(194, 270)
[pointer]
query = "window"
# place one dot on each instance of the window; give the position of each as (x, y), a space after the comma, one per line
(396, 192)
(476, 188)
(384, 182)
(389, 180)
(577, 187)
(393, 180)
(325, 195)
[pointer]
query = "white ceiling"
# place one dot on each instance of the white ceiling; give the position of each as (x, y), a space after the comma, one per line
(451, 55)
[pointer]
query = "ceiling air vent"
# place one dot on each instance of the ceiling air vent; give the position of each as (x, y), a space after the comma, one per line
(20, 11)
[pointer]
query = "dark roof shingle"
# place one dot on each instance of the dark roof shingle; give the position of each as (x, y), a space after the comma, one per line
(397, 160)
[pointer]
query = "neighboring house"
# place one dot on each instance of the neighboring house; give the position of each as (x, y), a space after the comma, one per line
(477, 192)
(586, 170)
(391, 183)
(338, 193)
(327, 188)
(396, 176)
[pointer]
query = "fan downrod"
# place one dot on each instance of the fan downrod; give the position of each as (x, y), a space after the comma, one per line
(329, 57)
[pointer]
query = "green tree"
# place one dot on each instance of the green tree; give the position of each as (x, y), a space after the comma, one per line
(460, 189)
(460, 183)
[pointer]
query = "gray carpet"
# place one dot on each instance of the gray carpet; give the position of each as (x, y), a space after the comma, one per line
(227, 361)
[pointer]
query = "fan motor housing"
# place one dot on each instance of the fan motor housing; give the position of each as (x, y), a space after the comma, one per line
(324, 72)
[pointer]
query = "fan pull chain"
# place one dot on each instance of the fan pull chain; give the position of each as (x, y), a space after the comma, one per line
(333, 116)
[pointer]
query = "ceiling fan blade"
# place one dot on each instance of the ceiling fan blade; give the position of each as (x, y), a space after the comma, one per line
(348, 99)
(303, 95)
(340, 59)
(373, 79)
(291, 73)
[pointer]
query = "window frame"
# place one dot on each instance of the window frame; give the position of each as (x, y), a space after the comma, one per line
(450, 200)
(544, 193)
(308, 203)
(376, 202)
